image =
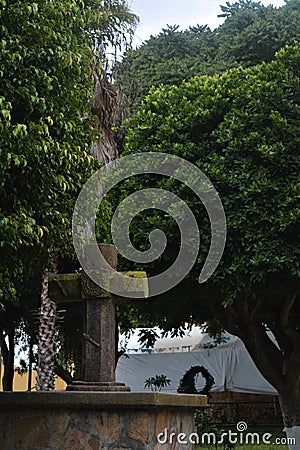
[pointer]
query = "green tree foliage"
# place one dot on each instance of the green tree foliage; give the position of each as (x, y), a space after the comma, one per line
(242, 130)
(168, 58)
(250, 34)
(50, 52)
(253, 33)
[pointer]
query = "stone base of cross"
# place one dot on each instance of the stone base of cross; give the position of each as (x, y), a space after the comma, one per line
(99, 322)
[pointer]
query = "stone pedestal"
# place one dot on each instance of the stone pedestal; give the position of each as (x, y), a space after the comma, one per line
(99, 318)
(96, 420)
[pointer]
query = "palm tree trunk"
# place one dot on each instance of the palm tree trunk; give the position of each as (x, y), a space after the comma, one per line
(46, 348)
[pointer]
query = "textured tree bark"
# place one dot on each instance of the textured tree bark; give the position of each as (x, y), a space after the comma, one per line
(46, 349)
(289, 398)
(8, 355)
(109, 107)
(280, 365)
(58, 369)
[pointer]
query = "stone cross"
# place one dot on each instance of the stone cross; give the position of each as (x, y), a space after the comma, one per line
(99, 322)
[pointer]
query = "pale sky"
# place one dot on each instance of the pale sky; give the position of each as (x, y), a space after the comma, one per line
(156, 14)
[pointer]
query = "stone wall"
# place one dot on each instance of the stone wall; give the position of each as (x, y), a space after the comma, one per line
(228, 408)
(92, 421)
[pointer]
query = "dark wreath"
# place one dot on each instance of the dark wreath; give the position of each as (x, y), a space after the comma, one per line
(187, 383)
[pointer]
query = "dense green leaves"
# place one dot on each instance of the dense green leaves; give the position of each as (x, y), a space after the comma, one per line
(48, 53)
(241, 129)
(251, 33)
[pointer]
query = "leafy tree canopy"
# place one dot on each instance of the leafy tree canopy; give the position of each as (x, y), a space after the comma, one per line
(250, 34)
(242, 130)
(46, 126)
(51, 53)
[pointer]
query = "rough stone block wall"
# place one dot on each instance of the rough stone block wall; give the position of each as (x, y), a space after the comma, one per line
(68, 429)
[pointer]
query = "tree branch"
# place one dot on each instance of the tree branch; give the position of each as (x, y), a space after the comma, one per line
(63, 374)
(284, 317)
(3, 347)
(256, 308)
(283, 342)
(264, 353)
(292, 369)
(226, 316)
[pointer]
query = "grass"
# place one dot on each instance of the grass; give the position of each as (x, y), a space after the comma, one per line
(276, 433)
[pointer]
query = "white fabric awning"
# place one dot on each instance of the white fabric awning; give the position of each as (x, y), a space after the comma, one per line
(230, 365)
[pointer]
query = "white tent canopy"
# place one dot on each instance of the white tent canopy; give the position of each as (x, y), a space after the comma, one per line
(229, 363)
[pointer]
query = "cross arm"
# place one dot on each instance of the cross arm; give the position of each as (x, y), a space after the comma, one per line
(75, 287)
